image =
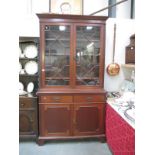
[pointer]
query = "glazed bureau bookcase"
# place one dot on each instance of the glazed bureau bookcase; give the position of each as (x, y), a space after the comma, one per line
(71, 95)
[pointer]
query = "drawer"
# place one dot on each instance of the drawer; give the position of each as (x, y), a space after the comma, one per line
(27, 103)
(89, 98)
(56, 99)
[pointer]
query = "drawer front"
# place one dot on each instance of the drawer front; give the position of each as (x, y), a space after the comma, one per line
(89, 98)
(27, 103)
(56, 99)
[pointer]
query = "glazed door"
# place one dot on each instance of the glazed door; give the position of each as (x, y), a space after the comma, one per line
(56, 55)
(55, 119)
(89, 55)
(88, 119)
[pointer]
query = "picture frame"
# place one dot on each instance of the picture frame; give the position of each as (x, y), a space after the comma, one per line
(66, 7)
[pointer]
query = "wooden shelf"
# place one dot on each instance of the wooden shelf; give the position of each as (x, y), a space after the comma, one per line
(24, 39)
(26, 96)
(50, 65)
(131, 66)
(57, 78)
(51, 55)
(85, 78)
(67, 39)
(64, 66)
(67, 78)
(54, 39)
(28, 75)
(28, 59)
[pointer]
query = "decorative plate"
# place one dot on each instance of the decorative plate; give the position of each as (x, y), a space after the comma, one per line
(31, 67)
(30, 87)
(20, 52)
(22, 92)
(30, 51)
(21, 86)
(20, 67)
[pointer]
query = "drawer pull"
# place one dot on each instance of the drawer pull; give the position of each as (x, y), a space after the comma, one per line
(74, 121)
(89, 98)
(57, 99)
(31, 120)
(44, 98)
(22, 104)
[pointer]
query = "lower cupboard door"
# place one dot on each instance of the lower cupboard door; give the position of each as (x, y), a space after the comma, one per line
(55, 120)
(89, 119)
(27, 122)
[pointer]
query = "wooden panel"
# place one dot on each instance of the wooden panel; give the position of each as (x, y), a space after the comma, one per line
(55, 120)
(130, 55)
(130, 51)
(89, 98)
(27, 122)
(85, 18)
(89, 119)
(56, 98)
(27, 103)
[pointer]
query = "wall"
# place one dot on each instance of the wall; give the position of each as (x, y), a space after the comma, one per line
(124, 29)
(29, 23)
(95, 5)
(123, 9)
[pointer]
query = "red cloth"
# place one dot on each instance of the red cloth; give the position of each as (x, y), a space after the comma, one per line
(120, 135)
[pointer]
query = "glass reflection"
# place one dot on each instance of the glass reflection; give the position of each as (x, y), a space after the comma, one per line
(57, 55)
(87, 55)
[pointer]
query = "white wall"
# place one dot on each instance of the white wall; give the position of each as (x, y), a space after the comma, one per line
(124, 29)
(95, 5)
(29, 23)
(29, 26)
(123, 9)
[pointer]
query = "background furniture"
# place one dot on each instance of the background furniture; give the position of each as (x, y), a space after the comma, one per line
(71, 95)
(28, 111)
(130, 51)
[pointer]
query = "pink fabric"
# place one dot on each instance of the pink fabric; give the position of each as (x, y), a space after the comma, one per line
(120, 135)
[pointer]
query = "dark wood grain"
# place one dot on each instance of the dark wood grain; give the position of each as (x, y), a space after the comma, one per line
(28, 122)
(130, 51)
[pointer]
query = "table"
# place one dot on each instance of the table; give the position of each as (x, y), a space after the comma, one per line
(120, 135)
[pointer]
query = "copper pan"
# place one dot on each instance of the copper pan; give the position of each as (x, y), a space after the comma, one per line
(113, 68)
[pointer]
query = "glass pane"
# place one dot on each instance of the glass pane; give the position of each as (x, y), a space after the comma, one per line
(57, 45)
(87, 55)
